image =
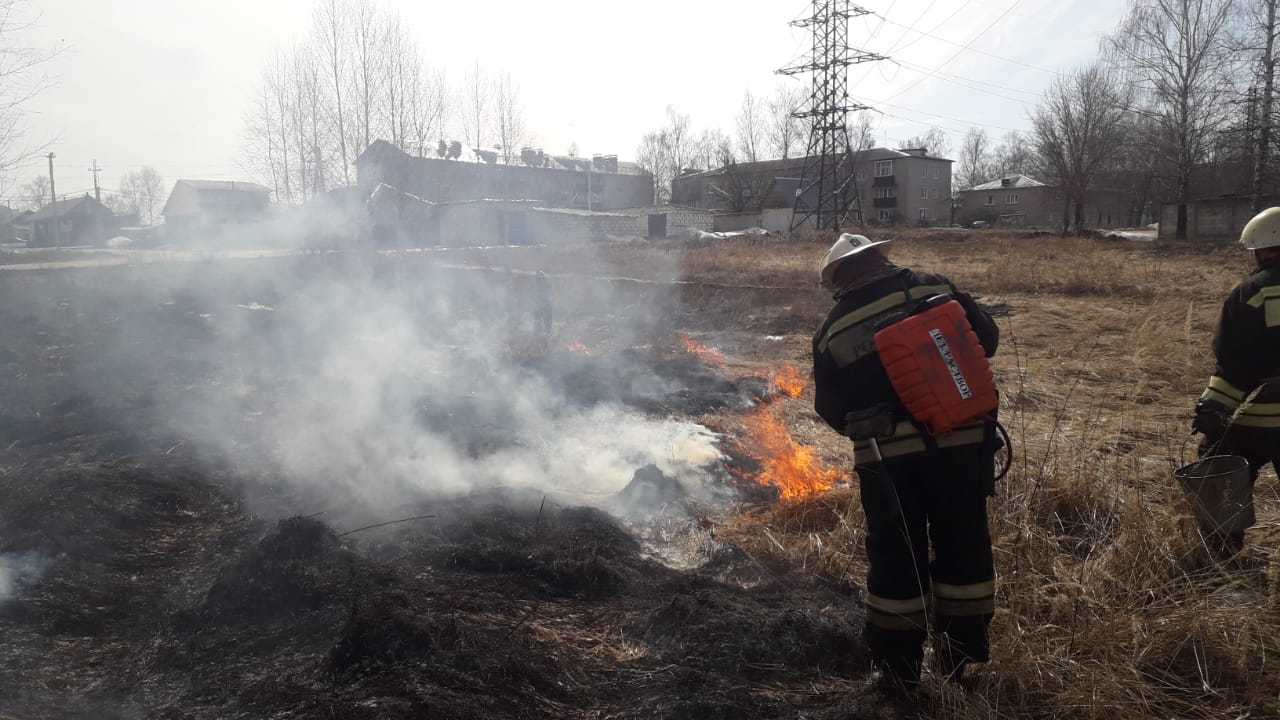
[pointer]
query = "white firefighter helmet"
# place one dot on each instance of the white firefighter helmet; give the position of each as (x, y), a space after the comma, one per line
(1263, 231)
(846, 247)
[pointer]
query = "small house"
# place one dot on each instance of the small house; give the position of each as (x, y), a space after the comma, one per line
(201, 208)
(77, 221)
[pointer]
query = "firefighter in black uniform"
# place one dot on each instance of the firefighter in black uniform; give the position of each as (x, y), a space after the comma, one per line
(917, 490)
(1239, 413)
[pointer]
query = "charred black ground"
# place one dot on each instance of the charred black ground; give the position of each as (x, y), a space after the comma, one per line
(161, 594)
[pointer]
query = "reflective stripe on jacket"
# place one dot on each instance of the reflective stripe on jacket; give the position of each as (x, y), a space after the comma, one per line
(847, 371)
(907, 440)
(1247, 348)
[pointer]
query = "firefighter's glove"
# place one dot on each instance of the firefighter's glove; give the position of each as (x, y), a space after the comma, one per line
(1211, 419)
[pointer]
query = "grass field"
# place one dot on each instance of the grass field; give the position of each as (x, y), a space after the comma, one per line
(1108, 604)
(1108, 601)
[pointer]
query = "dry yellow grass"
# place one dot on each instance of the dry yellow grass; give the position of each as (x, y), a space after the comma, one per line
(1109, 606)
(1108, 602)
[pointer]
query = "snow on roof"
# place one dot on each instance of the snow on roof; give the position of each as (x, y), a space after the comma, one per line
(1017, 182)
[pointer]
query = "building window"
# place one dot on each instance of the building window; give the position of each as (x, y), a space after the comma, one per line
(937, 173)
(924, 193)
(886, 216)
(935, 193)
(884, 168)
(860, 176)
(1012, 199)
(924, 214)
(886, 192)
(991, 200)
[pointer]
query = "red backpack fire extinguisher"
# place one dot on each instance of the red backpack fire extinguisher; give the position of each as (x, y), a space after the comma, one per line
(937, 366)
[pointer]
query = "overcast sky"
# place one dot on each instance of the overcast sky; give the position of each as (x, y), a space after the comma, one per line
(167, 82)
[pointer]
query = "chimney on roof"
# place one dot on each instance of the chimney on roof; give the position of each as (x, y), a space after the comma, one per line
(917, 152)
(1007, 182)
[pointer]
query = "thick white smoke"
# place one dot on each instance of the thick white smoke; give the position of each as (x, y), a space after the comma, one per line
(384, 388)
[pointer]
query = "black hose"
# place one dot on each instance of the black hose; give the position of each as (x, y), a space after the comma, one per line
(1008, 450)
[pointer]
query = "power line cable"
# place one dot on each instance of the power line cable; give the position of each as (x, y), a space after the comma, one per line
(944, 117)
(957, 54)
(939, 26)
(963, 82)
(906, 29)
(956, 76)
(883, 18)
(967, 48)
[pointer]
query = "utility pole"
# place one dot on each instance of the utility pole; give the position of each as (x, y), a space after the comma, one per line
(97, 192)
(53, 193)
(1260, 156)
(828, 192)
(53, 197)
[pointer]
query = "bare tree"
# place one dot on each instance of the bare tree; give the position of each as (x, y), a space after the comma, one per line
(1078, 125)
(312, 128)
(279, 83)
(330, 20)
(787, 134)
(427, 105)
(651, 157)
(400, 55)
(740, 189)
(21, 80)
(1015, 155)
(1255, 35)
(367, 70)
(750, 125)
(713, 149)
(36, 192)
(862, 133)
(509, 118)
(974, 164)
(665, 153)
(935, 142)
(142, 191)
(476, 106)
(1176, 49)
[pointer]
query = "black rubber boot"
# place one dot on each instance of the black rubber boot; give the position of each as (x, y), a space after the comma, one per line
(949, 661)
(1225, 546)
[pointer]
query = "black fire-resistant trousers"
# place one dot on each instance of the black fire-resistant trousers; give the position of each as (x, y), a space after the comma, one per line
(915, 503)
(1259, 446)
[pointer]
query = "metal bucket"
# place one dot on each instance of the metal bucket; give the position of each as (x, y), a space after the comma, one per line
(1220, 492)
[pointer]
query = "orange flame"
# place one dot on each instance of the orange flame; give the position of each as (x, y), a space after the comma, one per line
(708, 355)
(577, 347)
(793, 468)
(789, 381)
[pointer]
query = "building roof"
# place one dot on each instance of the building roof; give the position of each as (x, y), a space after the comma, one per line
(194, 196)
(796, 164)
(381, 149)
(1016, 182)
(62, 207)
(226, 186)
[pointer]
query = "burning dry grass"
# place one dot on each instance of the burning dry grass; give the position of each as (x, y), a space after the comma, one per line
(705, 353)
(794, 469)
(1109, 602)
(789, 381)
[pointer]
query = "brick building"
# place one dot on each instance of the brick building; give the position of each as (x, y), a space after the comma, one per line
(1023, 201)
(894, 186)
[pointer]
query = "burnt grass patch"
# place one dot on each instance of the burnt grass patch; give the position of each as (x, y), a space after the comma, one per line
(501, 607)
(161, 594)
